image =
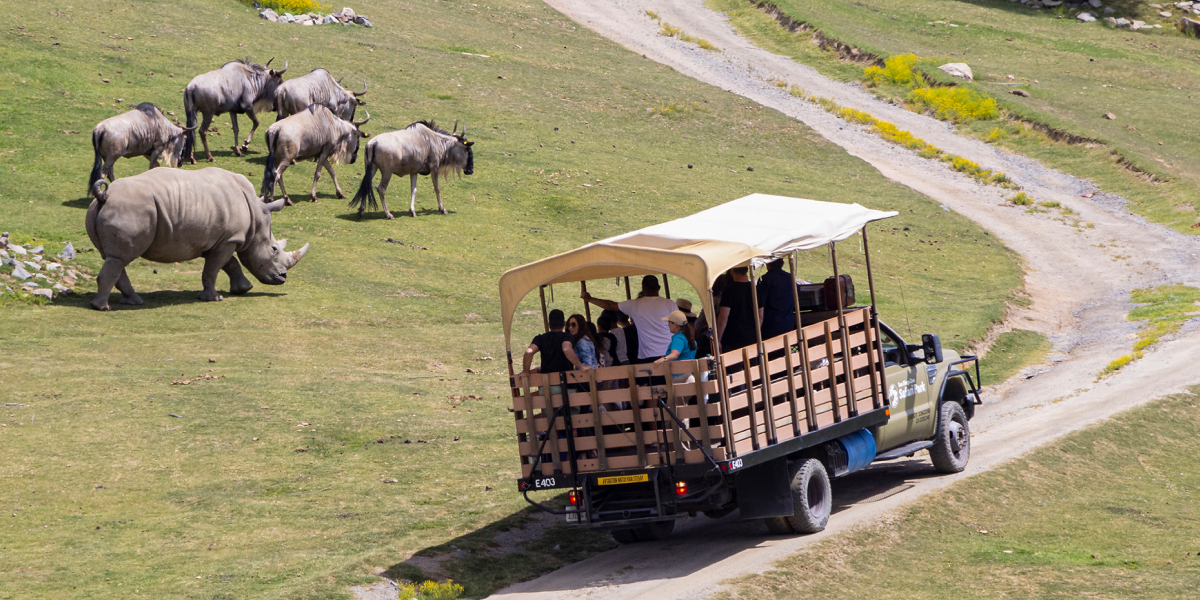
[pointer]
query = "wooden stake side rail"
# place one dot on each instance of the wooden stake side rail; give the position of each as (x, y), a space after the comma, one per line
(617, 421)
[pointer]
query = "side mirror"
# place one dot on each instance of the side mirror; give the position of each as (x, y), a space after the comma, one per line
(932, 346)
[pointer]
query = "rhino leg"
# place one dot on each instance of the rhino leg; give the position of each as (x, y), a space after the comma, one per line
(110, 273)
(214, 260)
(238, 284)
(384, 178)
(412, 204)
(128, 296)
(203, 129)
(438, 192)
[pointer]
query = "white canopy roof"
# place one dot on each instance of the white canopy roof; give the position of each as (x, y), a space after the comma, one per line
(696, 248)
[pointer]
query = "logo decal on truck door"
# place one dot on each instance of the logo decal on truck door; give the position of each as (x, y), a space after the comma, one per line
(905, 389)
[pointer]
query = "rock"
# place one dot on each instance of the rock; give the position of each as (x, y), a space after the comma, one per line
(270, 15)
(1183, 5)
(1051, 3)
(38, 250)
(8, 262)
(307, 23)
(1121, 22)
(33, 265)
(68, 252)
(960, 70)
(1110, 116)
(3, 253)
(53, 266)
(1108, 10)
(17, 249)
(1094, 3)
(1138, 25)
(1187, 26)
(1086, 17)
(44, 292)
(1021, 93)
(1164, 14)
(20, 273)
(287, 18)
(29, 285)
(62, 289)
(329, 20)
(361, 20)
(348, 12)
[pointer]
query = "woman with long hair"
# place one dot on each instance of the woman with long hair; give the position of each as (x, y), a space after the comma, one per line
(683, 339)
(585, 342)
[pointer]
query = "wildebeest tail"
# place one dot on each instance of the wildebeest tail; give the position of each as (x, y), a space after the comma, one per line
(97, 166)
(366, 194)
(189, 138)
(268, 182)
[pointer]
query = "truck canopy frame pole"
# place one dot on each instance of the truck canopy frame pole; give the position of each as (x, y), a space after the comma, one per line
(768, 410)
(545, 315)
(802, 342)
(666, 286)
(722, 380)
(847, 363)
(628, 295)
(874, 324)
(587, 306)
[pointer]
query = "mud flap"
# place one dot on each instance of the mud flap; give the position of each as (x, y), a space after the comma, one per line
(764, 490)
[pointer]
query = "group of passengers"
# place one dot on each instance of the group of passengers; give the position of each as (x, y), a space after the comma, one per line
(654, 329)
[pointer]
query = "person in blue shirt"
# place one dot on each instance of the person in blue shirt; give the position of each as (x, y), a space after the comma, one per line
(683, 339)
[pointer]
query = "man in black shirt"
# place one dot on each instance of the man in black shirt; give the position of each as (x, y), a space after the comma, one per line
(735, 320)
(557, 348)
(777, 296)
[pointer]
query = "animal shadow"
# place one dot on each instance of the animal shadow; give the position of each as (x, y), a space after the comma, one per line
(157, 299)
(83, 203)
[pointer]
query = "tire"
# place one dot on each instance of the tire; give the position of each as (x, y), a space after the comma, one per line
(778, 526)
(625, 536)
(952, 444)
(812, 496)
(656, 531)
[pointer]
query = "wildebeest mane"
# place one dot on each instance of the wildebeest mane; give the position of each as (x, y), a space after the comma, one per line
(148, 109)
(430, 124)
(245, 61)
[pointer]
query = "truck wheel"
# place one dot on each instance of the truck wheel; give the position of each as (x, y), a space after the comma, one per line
(625, 536)
(952, 445)
(658, 530)
(778, 526)
(811, 495)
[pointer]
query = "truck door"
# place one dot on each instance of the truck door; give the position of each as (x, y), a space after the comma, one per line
(907, 395)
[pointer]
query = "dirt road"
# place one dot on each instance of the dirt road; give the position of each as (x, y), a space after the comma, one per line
(1079, 280)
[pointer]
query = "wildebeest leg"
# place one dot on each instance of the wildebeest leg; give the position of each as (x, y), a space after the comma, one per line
(279, 181)
(233, 119)
(204, 124)
(384, 177)
(107, 170)
(253, 127)
(238, 284)
(112, 271)
(412, 204)
(128, 296)
(317, 176)
(438, 191)
(328, 167)
(153, 156)
(214, 260)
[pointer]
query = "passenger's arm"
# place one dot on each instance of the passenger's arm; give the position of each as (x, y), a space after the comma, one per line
(569, 350)
(674, 354)
(527, 361)
(722, 320)
(604, 304)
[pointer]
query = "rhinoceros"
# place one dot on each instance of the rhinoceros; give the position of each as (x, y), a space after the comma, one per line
(170, 215)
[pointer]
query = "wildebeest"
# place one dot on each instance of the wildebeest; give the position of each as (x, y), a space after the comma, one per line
(318, 87)
(314, 133)
(238, 87)
(143, 131)
(419, 149)
(172, 215)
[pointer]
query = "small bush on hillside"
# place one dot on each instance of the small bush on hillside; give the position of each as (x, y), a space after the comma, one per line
(296, 7)
(996, 134)
(1021, 199)
(956, 103)
(896, 69)
(431, 590)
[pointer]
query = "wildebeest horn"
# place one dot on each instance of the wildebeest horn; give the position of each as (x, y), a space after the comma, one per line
(359, 124)
(455, 129)
(275, 206)
(464, 131)
(269, 62)
(297, 255)
(357, 94)
(192, 128)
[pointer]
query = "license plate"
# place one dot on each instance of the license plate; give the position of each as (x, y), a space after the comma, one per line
(572, 517)
(623, 479)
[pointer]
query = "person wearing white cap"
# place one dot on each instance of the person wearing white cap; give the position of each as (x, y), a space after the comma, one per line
(683, 339)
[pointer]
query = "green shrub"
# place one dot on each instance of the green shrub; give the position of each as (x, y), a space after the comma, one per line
(1021, 199)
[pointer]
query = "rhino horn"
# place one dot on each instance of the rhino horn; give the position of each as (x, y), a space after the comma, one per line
(297, 255)
(274, 206)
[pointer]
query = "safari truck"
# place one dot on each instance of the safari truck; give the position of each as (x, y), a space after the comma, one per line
(761, 429)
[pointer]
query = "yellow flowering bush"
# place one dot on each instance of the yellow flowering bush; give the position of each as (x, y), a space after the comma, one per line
(296, 7)
(955, 103)
(431, 590)
(896, 69)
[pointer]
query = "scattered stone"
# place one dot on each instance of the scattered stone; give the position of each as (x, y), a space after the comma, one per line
(17, 249)
(1110, 116)
(1086, 17)
(960, 70)
(1164, 14)
(68, 252)
(1121, 22)
(387, 480)
(49, 295)
(33, 265)
(20, 273)
(361, 20)
(348, 12)
(29, 285)
(270, 15)
(1051, 3)
(1108, 10)
(1138, 25)
(329, 20)
(1189, 26)
(1094, 3)
(287, 18)
(1021, 93)
(53, 266)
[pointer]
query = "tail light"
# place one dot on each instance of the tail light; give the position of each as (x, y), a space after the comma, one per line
(573, 498)
(680, 488)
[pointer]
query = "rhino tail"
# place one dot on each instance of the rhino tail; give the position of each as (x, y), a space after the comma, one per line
(98, 164)
(189, 139)
(366, 194)
(99, 191)
(268, 182)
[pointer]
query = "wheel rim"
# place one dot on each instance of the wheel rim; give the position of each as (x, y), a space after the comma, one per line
(818, 499)
(958, 438)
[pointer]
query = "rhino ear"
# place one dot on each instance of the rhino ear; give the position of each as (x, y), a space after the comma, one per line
(283, 244)
(274, 206)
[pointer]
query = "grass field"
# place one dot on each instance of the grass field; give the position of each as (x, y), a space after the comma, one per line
(1073, 72)
(1011, 351)
(1108, 512)
(303, 402)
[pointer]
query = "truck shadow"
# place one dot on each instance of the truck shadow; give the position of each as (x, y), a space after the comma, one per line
(534, 552)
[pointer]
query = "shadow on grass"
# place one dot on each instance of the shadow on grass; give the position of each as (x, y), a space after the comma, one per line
(399, 214)
(153, 300)
(83, 203)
